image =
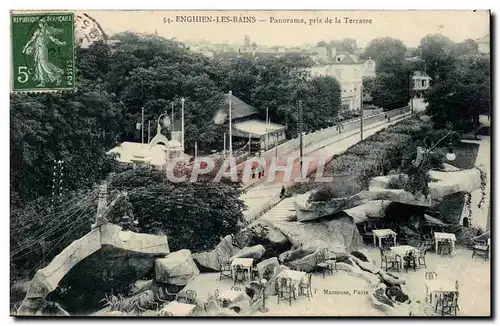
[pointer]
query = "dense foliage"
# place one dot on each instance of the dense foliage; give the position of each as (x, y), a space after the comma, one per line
(390, 88)
(278, 84)
(462, 95)
(192, 215)
(388, 151)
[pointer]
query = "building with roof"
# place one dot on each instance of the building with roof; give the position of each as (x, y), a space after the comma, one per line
(247, 125)
(368, 67)
(348, 71)
(420, 83)
(483, 44)
(157, 153)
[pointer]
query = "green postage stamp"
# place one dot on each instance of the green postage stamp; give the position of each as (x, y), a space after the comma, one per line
(43, 57)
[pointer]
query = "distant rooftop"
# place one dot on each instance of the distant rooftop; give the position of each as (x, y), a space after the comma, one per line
(239, 109)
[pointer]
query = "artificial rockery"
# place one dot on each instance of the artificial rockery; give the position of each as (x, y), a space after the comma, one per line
(326, 217)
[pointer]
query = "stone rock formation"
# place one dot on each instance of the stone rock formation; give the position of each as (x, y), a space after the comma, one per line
(263, 233)
(177, 268)
(266, 267)
(446, 183)
(337, 233)
(254, 252)
(102, 250)
(209, 261)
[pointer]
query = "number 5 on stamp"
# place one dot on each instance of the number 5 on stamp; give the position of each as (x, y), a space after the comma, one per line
(43, 52)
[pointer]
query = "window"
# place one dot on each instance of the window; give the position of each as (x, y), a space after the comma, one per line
(423, 82)
(339, 59)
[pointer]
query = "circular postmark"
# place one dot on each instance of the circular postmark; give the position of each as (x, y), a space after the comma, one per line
(88, 30)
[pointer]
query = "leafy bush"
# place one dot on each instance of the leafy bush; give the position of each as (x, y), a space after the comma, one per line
(397, 182)
(392, 149)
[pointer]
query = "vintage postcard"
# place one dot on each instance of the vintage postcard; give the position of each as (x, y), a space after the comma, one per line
(250, 163)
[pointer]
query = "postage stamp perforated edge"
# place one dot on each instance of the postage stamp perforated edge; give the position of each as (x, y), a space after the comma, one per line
(56, 89)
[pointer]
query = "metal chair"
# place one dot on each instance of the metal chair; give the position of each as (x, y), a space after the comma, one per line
(332, 262)
(305, 287)
(321, 264)
(444, 247)
(187, 296)
(240, 274)
(422, 250)
(447, 304)
(410, 260)
(286, 290)
(480, 248)
(389, 259)
(431, 275)
(225, 269)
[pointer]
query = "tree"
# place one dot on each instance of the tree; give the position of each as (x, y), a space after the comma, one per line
(386, 52)
(390, 88)
(436, 53)
(193, 215)
(278, 83)
(345, 45)
(467, 47)
(321, 44)
(77, 128)
(463, 95)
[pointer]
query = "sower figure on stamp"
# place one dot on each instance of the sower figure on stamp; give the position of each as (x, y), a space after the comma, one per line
(37, 46)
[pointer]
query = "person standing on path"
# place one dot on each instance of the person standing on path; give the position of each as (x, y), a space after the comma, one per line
(282, 192)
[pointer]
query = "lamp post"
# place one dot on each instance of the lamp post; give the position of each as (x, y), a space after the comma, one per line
(300, 121)
(182, 123)
(263, 283)
(230, 124)
(166, 122)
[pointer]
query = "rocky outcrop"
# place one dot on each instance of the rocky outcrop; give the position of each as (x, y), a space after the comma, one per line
(178, 268)
(103, 249)
(371, 210)
(266, 267)
(265, 234)
(254, 252)
(305, 264)
(209, 261)
(446, 183)
(337, 233)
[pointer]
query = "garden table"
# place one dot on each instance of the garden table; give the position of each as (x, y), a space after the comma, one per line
(229, 297)
(178, 309)
(439, 236)
(439, 286)
(400, 251)
(383, 233)
(247, 264)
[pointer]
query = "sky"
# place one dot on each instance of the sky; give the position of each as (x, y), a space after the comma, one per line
(408, 26)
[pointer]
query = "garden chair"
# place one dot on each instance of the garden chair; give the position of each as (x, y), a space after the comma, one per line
(188, 296)
(225, 269)
(163, 294)
(240, 274)
(305, 287)
(332, 261)
(422, 250)
(480, 248)
(410, 260)
(321, 264)
(447, 304)
(431, 275)
(286, 290)
(388, 259)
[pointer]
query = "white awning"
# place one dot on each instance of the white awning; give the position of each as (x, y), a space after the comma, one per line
(258, 127)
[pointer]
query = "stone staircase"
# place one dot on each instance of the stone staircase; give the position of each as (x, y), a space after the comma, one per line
(281, 211)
